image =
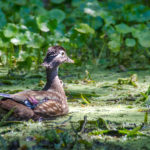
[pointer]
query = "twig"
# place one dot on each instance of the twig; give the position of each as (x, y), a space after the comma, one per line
(64, 121)
(84, 124)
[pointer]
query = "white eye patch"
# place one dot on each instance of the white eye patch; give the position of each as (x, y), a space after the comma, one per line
(61, 53)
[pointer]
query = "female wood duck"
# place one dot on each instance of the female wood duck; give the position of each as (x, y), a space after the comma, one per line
(51, 100)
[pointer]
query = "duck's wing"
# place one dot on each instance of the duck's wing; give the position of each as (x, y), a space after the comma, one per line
(49, 108)
(32, 98)
(55, 105)
(28, 98)
(19, 110)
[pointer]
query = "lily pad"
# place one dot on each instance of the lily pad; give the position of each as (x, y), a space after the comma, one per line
(144, 38)
(130, 42)
(11, 30)
(19, 39)
(35, 40)
(114, 45)
(45, 24)
(123, 28)
(84, 28)
(57, 14)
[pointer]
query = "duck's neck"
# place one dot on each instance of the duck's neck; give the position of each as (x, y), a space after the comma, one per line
(53, 82)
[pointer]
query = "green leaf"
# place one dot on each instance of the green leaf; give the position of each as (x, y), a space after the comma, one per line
(57, 1)
(85, 29)
(97, 22)
(123, 28)
(42, 23)
(84, 99)
(130, 42)
(144, 38)
(10, 31)
(114, 45)
(4, 42)
(34, 40)
(57, 14)
(3, 19)
(19, 39)
(45, 24)
(115, 37)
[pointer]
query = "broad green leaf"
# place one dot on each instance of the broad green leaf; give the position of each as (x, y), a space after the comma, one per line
(136, 32)
(2, 19)
(4, 42)
(45, 24)
(109, 20)
(97, 22)
(34, 40)
(115, 37)
(10, 31)
(57, 1)
(20, 39)
(92, 8)
(90, 12)
(123, 28)
(42, 23)
(146, 16)
(114, 45)
(85, 29)
(144, 38)
(57, 14)
(130, 42)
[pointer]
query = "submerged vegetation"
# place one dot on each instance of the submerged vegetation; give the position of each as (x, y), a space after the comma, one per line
(103, 114)
(109, 109)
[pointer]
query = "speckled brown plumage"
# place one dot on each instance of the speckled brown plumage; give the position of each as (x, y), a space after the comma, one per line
(51, 101)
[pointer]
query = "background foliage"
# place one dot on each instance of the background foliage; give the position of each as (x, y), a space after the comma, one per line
(110, 32)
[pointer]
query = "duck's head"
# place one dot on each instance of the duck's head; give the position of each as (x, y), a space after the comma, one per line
(55, 56)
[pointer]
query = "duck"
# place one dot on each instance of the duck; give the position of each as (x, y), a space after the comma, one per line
(50, 101)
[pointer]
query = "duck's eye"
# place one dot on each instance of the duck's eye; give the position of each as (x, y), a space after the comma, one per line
(62, 53)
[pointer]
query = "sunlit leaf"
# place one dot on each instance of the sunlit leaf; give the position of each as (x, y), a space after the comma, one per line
(114, 45)
(130, 42)
(19, 39)
(84, 28)
(34, 40)
(45, 24)
(42, 23)
(84, 99)
(123, 28)
(57, 14)
(10, 30)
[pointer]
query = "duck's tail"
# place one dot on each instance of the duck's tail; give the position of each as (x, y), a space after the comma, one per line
(5, 95)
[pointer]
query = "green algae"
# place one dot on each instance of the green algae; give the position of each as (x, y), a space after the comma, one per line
(116, 104)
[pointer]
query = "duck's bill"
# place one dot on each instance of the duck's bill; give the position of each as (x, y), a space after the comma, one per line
(68, 60)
